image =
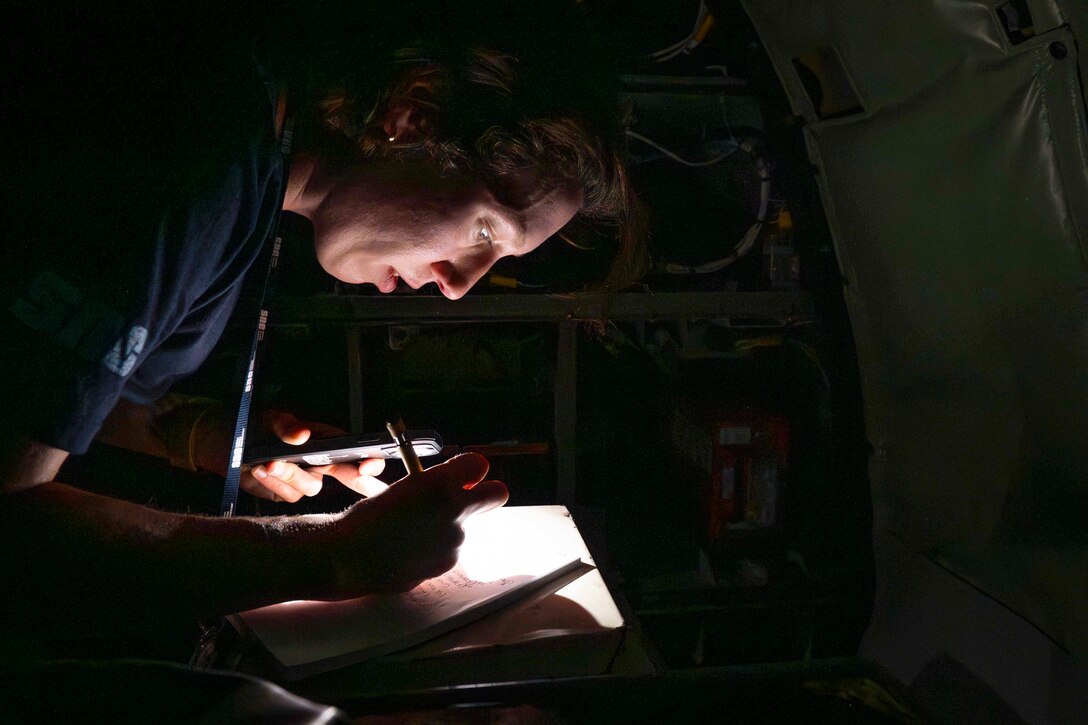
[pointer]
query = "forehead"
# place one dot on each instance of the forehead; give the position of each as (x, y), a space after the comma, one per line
(534, 210)
(550, 212)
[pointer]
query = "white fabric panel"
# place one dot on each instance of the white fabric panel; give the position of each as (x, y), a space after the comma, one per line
(958, 203)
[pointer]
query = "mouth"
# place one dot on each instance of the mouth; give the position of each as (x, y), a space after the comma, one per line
(414, 284)
(394, 278)
(388, 284)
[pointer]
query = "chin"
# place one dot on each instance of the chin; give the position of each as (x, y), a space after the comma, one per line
(339, 266)
(346, 275)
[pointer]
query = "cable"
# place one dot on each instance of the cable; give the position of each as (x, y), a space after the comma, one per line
(703, 23)
(499, 280)
(749, 239)
(721, 100)
(676, 157)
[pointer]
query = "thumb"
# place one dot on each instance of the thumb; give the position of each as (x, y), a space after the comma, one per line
(288, 428)
(457, 472)
(482, 496)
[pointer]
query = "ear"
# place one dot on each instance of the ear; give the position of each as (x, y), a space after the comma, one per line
(409, 115)
(402, 122)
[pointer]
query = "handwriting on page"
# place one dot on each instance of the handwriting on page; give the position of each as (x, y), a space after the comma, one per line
(436, 592)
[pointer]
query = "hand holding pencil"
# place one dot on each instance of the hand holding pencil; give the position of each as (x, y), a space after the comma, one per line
(412, 531)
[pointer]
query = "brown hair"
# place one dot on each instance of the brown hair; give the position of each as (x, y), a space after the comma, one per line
(481, 118)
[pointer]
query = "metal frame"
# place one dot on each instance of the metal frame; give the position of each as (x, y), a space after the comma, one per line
(357, 311)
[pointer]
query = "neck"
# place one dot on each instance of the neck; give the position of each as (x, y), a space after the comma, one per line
(306, 187)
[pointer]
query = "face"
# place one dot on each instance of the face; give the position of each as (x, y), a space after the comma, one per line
(407, 222)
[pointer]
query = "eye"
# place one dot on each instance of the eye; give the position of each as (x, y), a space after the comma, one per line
(483, 235)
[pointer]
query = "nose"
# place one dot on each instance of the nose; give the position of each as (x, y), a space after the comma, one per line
(456, 280)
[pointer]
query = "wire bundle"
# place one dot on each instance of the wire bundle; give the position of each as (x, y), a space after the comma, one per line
(704, 21)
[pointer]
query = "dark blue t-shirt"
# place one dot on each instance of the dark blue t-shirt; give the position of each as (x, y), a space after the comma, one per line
(143, 180)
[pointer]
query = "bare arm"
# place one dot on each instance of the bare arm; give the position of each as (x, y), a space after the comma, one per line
(198, 436)
(72, 560)
(132, 426)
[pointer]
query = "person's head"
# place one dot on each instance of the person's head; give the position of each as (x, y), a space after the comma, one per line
(462, 156)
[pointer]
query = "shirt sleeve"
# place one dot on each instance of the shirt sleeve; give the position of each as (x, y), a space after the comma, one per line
(134, 218)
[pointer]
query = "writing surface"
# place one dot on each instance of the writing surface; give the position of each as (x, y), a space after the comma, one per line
(503, 558)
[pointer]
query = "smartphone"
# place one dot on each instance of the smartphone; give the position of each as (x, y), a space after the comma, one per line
(354, 447)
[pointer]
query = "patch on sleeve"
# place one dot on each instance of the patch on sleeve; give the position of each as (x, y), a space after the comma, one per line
(123, 355)
(56, 308)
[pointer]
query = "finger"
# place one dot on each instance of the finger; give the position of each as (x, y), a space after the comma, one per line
(366, 485)
(253, 487)
(302, 481)
(443, 564)
(371, 466)
(483, 496)
(343, 472)
(336, 470)
(429, 567)
(288, 428)
(350, 475)
(467, 468)
(347, 471)
(400, 585)
(280, 491)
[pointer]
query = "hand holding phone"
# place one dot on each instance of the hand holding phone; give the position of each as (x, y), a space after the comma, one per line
(341, 449)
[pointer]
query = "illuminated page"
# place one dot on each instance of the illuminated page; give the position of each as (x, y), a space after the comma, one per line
(503, 558)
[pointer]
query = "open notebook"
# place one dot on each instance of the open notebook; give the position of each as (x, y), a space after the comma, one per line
(508, 553)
